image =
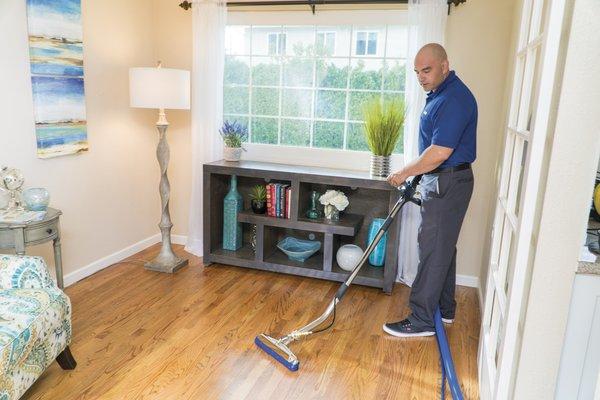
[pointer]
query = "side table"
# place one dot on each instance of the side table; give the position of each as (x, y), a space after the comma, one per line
(20, 235)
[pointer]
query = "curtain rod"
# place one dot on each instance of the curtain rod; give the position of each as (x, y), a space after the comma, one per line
(186, 5)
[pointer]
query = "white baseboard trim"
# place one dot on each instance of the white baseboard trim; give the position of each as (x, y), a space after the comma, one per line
(463, 280)
(178, 239)
(109, 260)
(467, 280)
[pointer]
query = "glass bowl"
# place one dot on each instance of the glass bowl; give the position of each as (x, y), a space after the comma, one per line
(36, 199)
(298, 249)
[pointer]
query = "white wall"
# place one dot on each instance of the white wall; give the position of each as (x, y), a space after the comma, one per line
(109, 196)
(173, 45)
(478, 42)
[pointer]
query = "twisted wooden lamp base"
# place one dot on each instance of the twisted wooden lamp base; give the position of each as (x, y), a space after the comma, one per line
(166, 261)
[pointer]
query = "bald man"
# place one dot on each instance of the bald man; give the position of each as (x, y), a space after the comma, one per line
(447, 145)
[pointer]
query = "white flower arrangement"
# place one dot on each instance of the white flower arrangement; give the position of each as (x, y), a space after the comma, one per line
(334, 198)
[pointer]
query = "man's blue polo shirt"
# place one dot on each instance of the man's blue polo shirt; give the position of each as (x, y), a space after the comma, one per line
(449, 119)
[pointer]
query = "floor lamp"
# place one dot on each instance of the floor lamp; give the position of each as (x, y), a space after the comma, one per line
(161, 88)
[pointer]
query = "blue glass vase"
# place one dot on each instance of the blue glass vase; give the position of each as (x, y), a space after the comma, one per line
(377, 257)
(232, 229)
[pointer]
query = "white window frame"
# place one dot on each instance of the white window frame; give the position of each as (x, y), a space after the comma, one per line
(331, 158)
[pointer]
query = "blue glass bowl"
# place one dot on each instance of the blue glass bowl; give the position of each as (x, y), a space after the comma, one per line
(298, 249)
(36, 199)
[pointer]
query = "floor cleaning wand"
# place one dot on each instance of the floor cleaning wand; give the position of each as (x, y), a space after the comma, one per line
(278, 348)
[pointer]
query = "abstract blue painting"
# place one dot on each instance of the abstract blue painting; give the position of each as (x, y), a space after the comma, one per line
(56, 59)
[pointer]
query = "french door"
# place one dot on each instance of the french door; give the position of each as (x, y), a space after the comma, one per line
(514, 229)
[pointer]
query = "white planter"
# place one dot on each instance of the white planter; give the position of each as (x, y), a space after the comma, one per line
(232, 153)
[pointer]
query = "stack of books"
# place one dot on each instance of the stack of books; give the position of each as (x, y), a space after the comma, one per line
(278, 200)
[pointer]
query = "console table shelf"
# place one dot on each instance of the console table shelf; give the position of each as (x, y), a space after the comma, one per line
(347, 225)
(369, 198)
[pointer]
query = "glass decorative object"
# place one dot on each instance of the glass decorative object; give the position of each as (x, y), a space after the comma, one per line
(4, 198)
(334, 202)
(232, 229)
(377, 257)
(331, 213)
(36, 199)
(298, 249)
(12, 180)
(313, 212)
(253, 239)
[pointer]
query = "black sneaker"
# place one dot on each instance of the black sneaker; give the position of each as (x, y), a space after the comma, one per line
(405, 328)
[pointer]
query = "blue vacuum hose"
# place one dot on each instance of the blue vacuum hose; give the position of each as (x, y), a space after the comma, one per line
(446, 359)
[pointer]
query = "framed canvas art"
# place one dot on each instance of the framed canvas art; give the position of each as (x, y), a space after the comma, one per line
(56, 59)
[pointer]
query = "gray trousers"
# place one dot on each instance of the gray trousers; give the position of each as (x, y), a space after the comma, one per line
(445, 198)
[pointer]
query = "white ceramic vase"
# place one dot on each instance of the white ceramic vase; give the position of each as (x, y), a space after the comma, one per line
(232, 153)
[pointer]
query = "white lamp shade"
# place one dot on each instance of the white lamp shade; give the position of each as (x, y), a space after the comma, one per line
(159, 88)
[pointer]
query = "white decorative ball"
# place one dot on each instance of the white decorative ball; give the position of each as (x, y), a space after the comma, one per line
(348, 256)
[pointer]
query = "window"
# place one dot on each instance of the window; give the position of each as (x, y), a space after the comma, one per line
(304, 85)
(276, 43)
(366, 44)
(326, 42)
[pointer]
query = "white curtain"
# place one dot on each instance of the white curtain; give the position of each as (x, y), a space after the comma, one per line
(426, 24)
(208, 27)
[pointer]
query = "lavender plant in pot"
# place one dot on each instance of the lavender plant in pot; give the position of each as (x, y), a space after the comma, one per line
(258, 199)
(233, 134)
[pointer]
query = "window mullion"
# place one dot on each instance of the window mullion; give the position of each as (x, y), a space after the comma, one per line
(346, 124)
(384, 68)
(250, 89)
(311, 130)
(280, 91)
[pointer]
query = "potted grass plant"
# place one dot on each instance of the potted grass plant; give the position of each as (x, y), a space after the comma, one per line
(383, 121)
(258, 199)
(233, 134)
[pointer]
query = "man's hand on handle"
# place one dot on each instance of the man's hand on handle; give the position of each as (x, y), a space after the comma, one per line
(397, 178)
(430, 159)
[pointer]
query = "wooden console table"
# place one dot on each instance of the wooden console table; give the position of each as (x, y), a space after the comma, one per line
(369, 198)
(19, 235)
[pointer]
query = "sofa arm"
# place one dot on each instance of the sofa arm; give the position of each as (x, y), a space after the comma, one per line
(24, 272)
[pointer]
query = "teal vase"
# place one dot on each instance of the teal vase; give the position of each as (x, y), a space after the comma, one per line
(377, 257)
(232, 229)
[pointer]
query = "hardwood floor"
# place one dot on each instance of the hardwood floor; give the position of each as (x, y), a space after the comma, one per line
(145, 335)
